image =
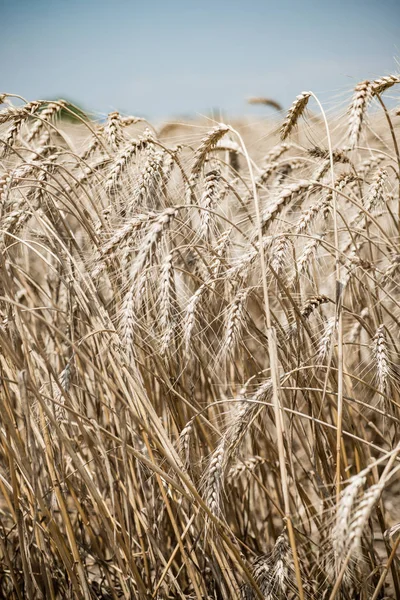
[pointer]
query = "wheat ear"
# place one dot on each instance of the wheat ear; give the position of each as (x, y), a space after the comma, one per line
(294, 113)
(357, 111)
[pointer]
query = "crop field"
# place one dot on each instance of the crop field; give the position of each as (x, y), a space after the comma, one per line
(199, 352)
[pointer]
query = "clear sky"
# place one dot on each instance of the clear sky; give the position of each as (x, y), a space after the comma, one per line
(182, 57)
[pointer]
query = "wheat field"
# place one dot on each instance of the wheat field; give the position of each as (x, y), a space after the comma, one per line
(199, 365)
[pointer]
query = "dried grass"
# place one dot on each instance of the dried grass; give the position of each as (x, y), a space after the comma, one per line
(185, 332)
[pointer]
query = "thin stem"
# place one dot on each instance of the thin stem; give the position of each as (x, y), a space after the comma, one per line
(386, 569)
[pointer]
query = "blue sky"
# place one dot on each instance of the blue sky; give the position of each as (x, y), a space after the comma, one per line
(183, 57)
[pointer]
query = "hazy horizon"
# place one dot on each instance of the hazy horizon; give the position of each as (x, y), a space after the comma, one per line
(180, 59)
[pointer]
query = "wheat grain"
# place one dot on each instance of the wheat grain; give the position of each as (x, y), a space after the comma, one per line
(219, 251)
(121, 162)
(307, 255)
(113, 130)
(292, 192)
(207, 144)
(167, 303)
(279, 250)
(376, 192)
(209, 199)
(294, 113)
(190, 315)
(391, 269)
(312, 304)
(45, 115)
(378, 86)
(326, 339)
(345, 510)
(235, 321)
(381, 356)
(266, 102)
(357, 111)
